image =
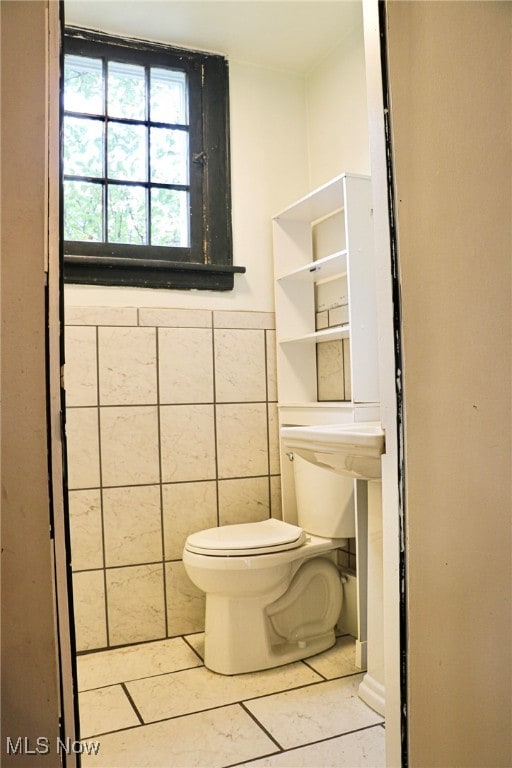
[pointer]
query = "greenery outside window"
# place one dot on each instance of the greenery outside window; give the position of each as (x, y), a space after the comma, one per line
(146, 192)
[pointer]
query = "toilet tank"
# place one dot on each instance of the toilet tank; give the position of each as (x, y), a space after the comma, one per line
(325, 500)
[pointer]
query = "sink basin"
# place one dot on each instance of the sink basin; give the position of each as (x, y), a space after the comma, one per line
(348, 449)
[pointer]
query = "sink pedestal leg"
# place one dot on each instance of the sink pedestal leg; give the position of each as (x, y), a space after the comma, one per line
(372, 689)
(361, 499)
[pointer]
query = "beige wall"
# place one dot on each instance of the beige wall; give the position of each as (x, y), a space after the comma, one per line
(29, 668)
(318, 129)
(450, 81)
(337, 115)
(268, 170)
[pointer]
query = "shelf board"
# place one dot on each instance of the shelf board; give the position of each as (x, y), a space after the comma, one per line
(321, 404)
(322, 202)
(333, 265)
(327, 334)
(327, 412)
(326, 404)
(317, 204)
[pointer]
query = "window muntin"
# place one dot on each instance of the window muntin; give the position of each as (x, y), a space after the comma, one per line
(126, 131)
(145, 165)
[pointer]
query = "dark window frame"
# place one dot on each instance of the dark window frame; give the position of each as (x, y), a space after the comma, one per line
(208, 263)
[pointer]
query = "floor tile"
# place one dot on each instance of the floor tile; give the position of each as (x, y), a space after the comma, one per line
(197, 642)
(135, 661)
(363, 749)
(315, 712)
(194, 690)
(211, 739)
(337, 661)
(104, 710)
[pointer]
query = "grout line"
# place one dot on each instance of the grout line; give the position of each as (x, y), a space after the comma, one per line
(137, 324)
(131, 565)
(151, 677)
(193, 649)
(306, 664)
(101, 489)
(132, 645)
(160, 480)
(134, 706)
(193, 402)
(197, 667)
(172, 482)
(307, 744)
(215, 432)
(260, 725)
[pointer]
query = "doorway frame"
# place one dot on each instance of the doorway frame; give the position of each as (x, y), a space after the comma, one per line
(66, 646)
(389, 346)
(390, 372)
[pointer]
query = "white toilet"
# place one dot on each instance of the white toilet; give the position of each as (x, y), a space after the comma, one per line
(273, 590)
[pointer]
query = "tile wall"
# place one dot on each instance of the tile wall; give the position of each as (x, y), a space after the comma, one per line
(333, 358)
(171, 424)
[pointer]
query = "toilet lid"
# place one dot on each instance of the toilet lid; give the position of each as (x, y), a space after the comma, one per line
(246, 539)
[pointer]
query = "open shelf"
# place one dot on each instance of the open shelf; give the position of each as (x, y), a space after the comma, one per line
(317, 337)
(323, 201)
(334, 265)
(323, 251)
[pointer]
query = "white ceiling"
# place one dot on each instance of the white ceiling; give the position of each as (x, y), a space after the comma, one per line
(294, 35)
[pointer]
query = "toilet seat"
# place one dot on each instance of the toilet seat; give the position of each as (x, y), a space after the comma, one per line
(246, 539)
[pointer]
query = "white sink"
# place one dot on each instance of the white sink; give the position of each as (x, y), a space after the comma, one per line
(348, 449)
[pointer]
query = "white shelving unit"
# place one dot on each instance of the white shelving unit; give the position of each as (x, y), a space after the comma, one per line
(325, 236)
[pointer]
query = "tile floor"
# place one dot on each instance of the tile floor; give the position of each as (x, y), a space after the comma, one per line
(155, 705)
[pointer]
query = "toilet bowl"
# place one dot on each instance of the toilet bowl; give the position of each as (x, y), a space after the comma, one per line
(273, 589)
(266, 608)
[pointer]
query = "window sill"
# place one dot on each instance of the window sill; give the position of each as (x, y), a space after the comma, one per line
(149, 273)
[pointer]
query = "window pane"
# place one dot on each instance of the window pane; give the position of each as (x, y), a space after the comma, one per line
(168, 96)
(83, 85)
(83, 211)
(169, 156)
(127, 214)
(83, 147)
(127, 152)
(169, 218)
(126, 91)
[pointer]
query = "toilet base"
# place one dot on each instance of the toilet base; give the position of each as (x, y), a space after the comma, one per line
(284, 653)
(239, 636)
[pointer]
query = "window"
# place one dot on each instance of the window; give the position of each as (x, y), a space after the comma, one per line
(146, 193)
